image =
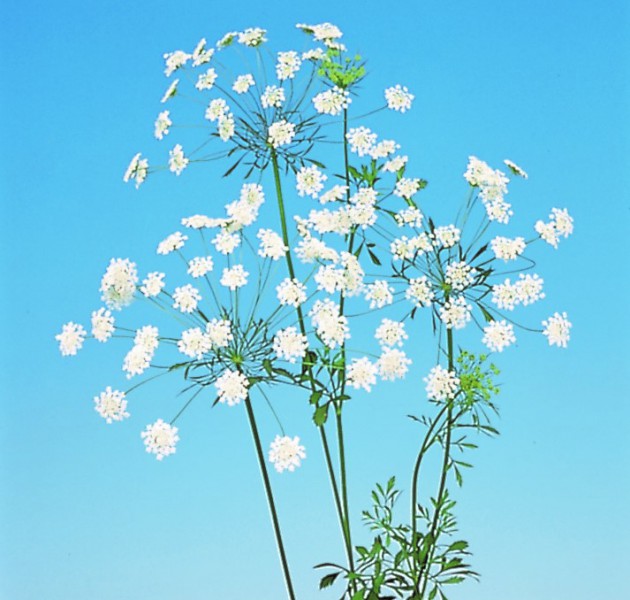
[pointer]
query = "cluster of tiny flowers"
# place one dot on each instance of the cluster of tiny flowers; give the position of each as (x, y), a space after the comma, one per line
(331, 327)
(289, 344)
(361, 373)
(160, 439)
(404, 248)
(442, 384)
(393, 364)
(459, 275)
(286, 454)
(232, 387)
(398, 98)
(138, 359)
(379, 294)
(272, 97)
(252, 36)
(446, 236)
(71, 338)
(390, 333)
(200, 266)
(111, 405)
(507, 249)
(271, 244)
(153, 284)
(186, 298)
(281, 133)
(525, 291)
(288, 65)
(560, 224)
(406, 187)
(118, 285)
(162, 124)
(410, 216)
(310, 181)
(332, 102)
(234, 277)
(420, 292)
(361, 140)
(102, 325)
(291, 292)
(242, 83)
(173, 242)
(557, 329)
(219, 332)
(498, 335)
(137, 170)
(194, 343)
(177, 161)
(456, 313)
(492, 186)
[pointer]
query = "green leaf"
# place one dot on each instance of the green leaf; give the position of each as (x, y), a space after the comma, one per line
(321, 415)
(374, 258)
(267, 366)
(487, 316)
(315, 396)
(328, 580)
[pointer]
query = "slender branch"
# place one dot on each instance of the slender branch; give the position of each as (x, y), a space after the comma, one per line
(270, 500)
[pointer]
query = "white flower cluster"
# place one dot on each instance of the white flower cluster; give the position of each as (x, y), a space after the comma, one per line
(232, 387)
(138, 359)
(492, 186)
(442, 384)
(118, 285)
(286, 454)
(111, 405)
(160, 439)
(560, 224)
(526, 290)
(331, 326)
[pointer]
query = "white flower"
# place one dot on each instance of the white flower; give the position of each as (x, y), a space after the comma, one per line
(200, 265)
(515, 169)
(102, 325)
(231, 387)
(419, 292)
(291, 292)
(361, 140)
(321, 32)
(137, 361)
(547, 231)
(177, 162)
(281, 133)
(289, 344)
(111, 405)
(194, 343)
(446, 236)
(310, 181)
(71, 338)
(147, 338)
(498, 210)
(162, 123)
(406, 187)
(271, 244)
(119, 283)
(498, 335)
(335, 193)
(226, 127)
(273, 96)
(455, 314)
(384, 149)
(173, 242)
(390, 333)
(175, 60)
(529, 289)
(315, 54)
(393, 364)
(459, 275)
(160, 439)
(285, 453)
(398, 98)
(242, 83)
(217, 109)
(206, 80)
(506, 248)
(186, 298)
(171, 91)
(395, 164)
(331, 327)
(234, 277)
(404, 248)
(227, 40)
(199, 222)
(226, 242)
(200, 54)
(311, 249)
(379, 293)
(137, 170)
(409, 216)
(563, 221)
(288, 65)
(361, 373)
(152, 284)
(505, 295)
(441, 384)
(252, 36)
(219, 332)
(332, 102)
(557, 329)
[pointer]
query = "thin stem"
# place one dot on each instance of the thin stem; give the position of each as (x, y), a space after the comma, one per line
(272, 506)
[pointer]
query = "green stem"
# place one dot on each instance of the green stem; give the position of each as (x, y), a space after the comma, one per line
(322, 432)
(272, 506)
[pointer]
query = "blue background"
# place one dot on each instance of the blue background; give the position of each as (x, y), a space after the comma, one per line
(85, 513)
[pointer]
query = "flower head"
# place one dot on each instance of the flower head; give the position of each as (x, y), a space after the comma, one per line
(111, 405)
(118, 285)
(398, 98)
(557, 329)
(160, 439)
(71, 338)
(285, 453)
(232, 387)
(441, 384)
(102, 324)
(498, 335)
(361, 373)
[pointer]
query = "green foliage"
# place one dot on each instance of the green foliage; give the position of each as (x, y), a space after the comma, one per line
(341, 71)
(476, 379)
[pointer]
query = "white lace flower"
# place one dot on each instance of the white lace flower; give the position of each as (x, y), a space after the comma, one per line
(361, 140)
(557, 330)
(234, 277)
(332, 102)
(281, 133)
(71, 338)
(288, 65)
(309, 181)
(562, 221)
(186, 298)
(136, 361)
(206, 80)
(498, 335)
(515, 169)
(289, 344)
(118, 285)
(226, 242)
(446, 236)
(216, 109)
(226, 127)
(361, 373)
(335, 193)
(419, 291)
(171, 91)
(379, 294)
(285, 453)
(175, 60)
(152, 284)
(273, 96)
(102, 324)
(232, 387)
(219, 332)
(162, 124)
(111, 405)
(459, 275)
(160, 439)
(177, 161)
(331, 327)
(395, 164)
(406, 187)
(507, 249)
(384, 149)
(200, 266)
(252, 36)
(398, 98)
(441, 384)
(505, 295)
(194, 343)
(137, 169)
(291, 292)
(529, 289)
(271, 244)
(455, 314)
(173, 242)
(242, 83)
(390, 333)
(410, 216)
(147, 338)
(393, 364)
(201, 54)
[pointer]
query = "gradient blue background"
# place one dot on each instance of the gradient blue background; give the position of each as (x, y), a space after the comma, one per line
(85, 513)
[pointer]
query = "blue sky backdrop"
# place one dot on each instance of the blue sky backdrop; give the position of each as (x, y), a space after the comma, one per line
(86, 513)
